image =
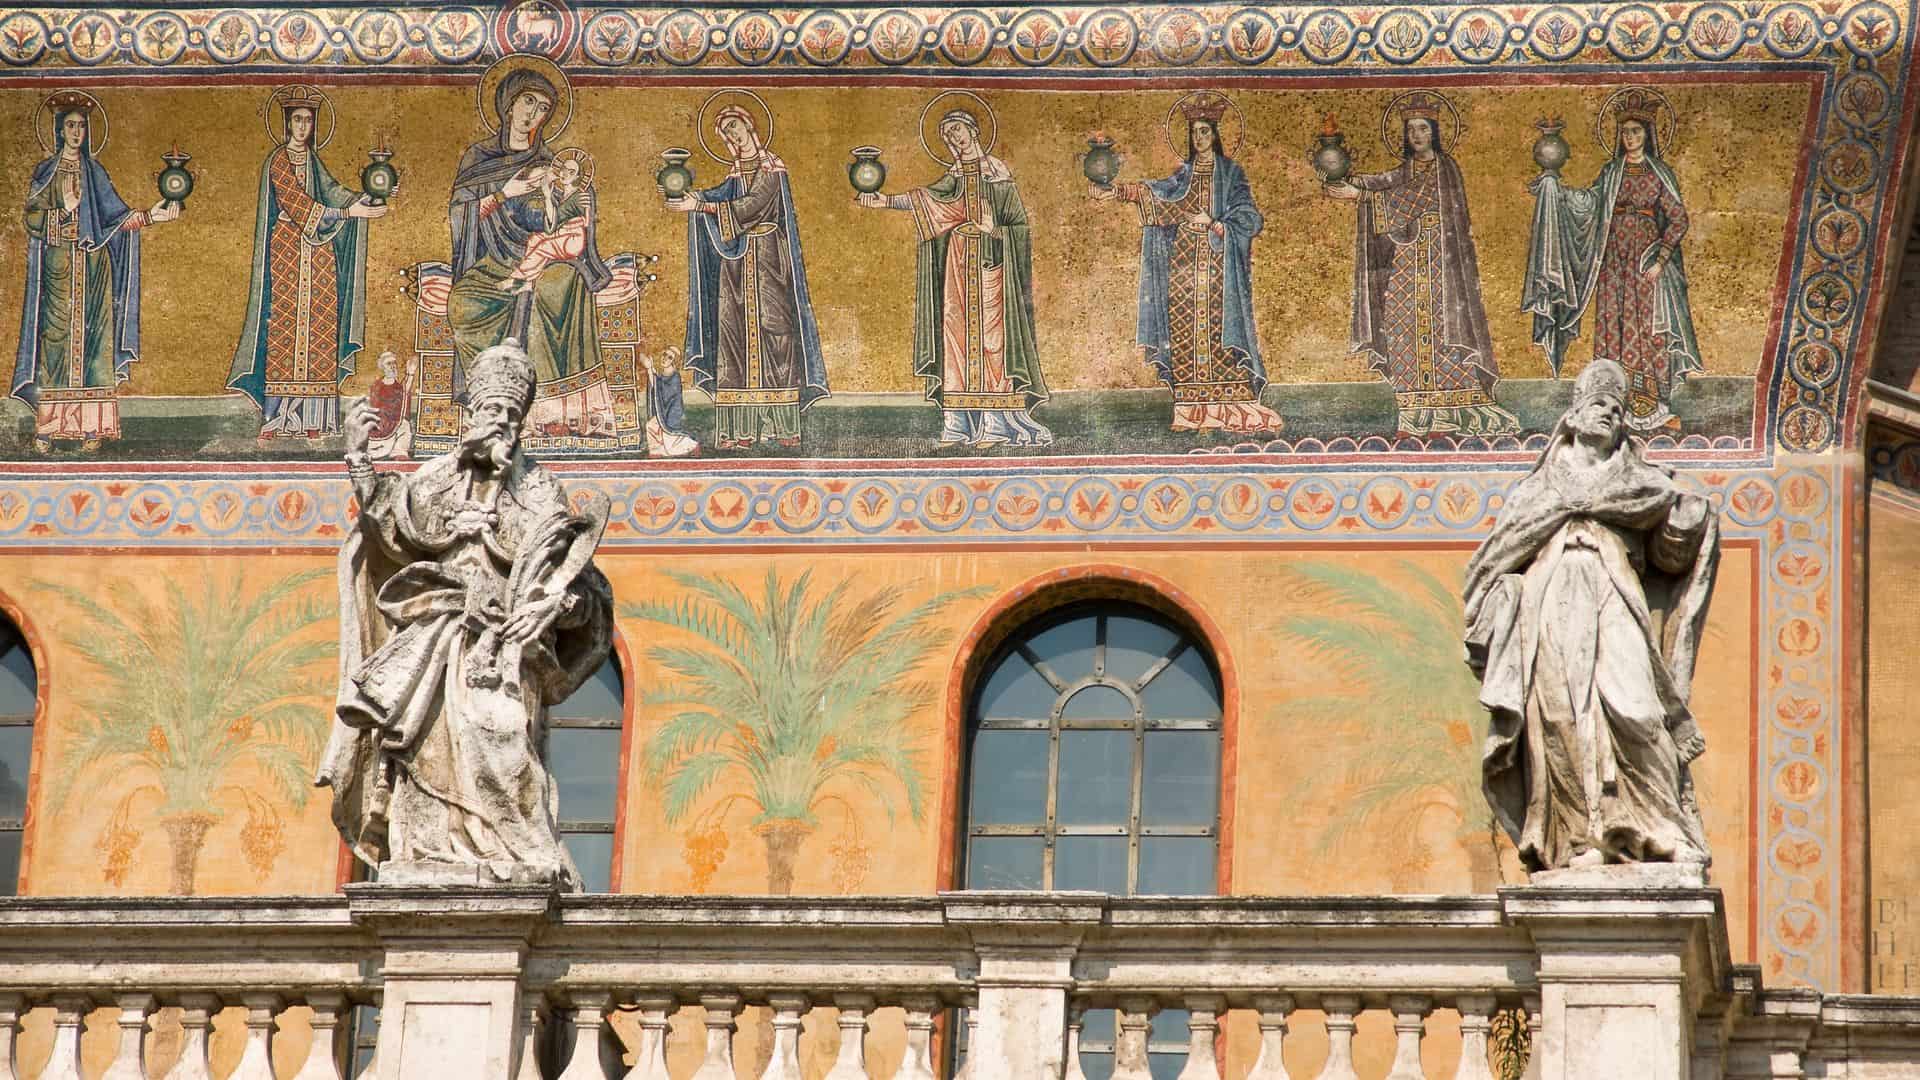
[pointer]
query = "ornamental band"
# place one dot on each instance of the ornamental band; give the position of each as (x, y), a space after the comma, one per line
(1584, 610)
(469, 605)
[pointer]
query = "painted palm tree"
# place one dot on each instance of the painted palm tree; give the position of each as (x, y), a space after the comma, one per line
(1405, 734)
(786, 704)
(189, 692)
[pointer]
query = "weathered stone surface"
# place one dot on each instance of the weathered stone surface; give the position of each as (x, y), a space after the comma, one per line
(1584, 608)
(469, 605)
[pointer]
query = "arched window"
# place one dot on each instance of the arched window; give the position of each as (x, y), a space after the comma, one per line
(1093, 762)
(1094, 758)
(583, 749)
(19, 690)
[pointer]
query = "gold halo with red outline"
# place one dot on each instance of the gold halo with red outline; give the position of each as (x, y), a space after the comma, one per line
(982, 114)
(1390, 132)
(762, 124)
(1228, 144)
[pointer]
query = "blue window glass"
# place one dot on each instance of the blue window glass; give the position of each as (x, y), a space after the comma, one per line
(583, 750)
(19, 693)
(1093, 762)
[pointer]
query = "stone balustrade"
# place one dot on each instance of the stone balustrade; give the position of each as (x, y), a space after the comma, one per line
(520, 984)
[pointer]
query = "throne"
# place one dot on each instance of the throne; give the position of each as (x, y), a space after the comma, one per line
(556, 427)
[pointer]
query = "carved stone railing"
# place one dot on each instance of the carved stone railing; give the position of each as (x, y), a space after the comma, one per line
(520, 984)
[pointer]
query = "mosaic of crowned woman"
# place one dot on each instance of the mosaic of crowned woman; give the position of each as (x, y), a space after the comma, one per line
(498, 208)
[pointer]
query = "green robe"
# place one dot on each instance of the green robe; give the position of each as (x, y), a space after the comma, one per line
(1008, 248)
(58, 268)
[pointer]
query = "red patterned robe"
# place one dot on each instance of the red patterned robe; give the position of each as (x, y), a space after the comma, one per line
(1648, 221)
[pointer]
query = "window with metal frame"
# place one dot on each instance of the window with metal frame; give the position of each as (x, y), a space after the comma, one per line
(19, 694)
(583, 750)
(1093, 762)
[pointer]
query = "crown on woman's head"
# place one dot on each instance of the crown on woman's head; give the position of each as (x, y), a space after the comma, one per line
(300, 97)
(1204, 105)
(1422, 106)
(502, 371)
(67, 101)
(1640, 105)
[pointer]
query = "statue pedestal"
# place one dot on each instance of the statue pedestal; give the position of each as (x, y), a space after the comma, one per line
(1624, 968)
(453, 956)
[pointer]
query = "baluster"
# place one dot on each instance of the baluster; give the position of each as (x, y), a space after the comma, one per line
(1476, 1019)
(1203, 1024)
(1531, 1003)
(1130, 1048)
(1340, 1010)
(971, 1003)
(783, 1063)
(650, 1060)
(323, 1058)
(130, 1063)
(723, 1015)
(852, 1062)
(1076, 1027)
(589, 1013)
(12, 1006)
(1409, 1024)
(1274, 1009)
(918, 1064)
(256, 1060)
(69, 1015)
(533, 1021)
(196, 1021)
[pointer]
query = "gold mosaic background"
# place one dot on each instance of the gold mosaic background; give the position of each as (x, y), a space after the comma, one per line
(1736, 156)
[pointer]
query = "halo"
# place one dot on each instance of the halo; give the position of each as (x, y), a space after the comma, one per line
(930, 122)
(762, 122)
(497, 72)
(275, 115)
(49, 138)
(1390, 132)
(1606, 126)
(1227, 146)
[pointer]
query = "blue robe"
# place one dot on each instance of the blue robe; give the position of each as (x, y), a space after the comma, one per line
(101, 218)
(1234, 208)
(710, 247)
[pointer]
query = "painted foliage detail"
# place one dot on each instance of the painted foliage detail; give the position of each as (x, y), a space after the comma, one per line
(787, 704)
(1404, 738)
(187, 700)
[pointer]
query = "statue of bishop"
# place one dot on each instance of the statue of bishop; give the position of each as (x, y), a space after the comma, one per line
(469, 605)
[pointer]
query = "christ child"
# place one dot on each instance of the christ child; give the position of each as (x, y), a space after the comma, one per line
(568, 215)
